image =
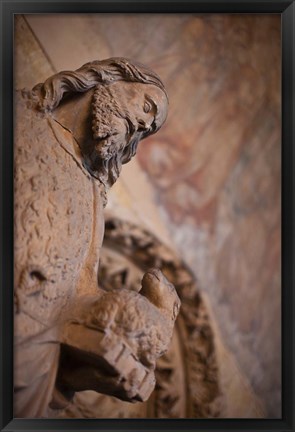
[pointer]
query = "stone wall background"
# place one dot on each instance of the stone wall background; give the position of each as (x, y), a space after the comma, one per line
(208, 184)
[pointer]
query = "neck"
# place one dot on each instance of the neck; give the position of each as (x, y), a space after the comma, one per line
(74, 114)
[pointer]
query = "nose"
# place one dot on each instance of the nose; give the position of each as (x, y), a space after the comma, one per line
(144, 125)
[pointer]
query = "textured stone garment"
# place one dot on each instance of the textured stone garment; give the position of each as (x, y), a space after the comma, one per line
(73, 133)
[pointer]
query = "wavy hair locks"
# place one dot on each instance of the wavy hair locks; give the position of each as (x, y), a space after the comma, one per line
(49, 94)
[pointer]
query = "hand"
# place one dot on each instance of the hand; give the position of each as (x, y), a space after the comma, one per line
(112, 343)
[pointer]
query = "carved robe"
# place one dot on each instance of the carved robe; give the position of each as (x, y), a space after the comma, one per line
(58, 234)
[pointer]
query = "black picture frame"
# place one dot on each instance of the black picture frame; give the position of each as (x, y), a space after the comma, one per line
(287, 11)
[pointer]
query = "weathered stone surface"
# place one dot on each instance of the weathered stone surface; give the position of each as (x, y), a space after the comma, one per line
(69, 334)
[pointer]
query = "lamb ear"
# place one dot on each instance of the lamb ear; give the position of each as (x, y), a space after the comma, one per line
(156, 288)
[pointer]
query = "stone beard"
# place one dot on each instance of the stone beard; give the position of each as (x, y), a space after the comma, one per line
(104, 159)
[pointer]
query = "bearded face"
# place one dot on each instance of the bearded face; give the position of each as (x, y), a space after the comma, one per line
(123, 113)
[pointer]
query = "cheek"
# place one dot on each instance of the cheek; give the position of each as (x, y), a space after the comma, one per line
(119, 126)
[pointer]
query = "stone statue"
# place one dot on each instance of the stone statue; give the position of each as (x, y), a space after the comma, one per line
(72, 135)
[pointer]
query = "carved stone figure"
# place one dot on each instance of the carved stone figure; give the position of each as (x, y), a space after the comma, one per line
(187, 381)
(73, 133)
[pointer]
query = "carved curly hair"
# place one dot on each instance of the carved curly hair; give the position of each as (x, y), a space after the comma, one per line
(48, 95)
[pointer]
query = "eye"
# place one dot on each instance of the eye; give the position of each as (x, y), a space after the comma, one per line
(147, 107)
